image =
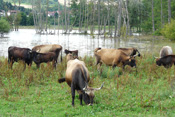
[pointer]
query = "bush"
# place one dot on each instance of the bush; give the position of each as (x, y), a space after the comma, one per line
(4, 27)
(169, 31)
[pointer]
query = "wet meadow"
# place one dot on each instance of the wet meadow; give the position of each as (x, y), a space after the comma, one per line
(35, 92)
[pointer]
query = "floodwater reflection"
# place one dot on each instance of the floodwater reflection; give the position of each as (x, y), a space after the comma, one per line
(27, 38)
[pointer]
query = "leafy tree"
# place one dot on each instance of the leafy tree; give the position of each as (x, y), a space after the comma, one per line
(4, 27)
(169, 31)
(17, 21)
(30, 20)
(23, 21)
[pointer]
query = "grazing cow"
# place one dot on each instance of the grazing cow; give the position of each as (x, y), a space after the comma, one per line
(77, 77)
(166, 50)
(130, 51)
(114, 57)
(48, 48)
(166, 61)
(39, 58)
(74, 53)
(16, 53)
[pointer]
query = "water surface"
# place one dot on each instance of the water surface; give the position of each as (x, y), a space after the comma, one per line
(86, 44)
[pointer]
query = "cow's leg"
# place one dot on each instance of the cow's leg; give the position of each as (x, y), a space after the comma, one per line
(38, 65)
(80, 97)
(73, 93)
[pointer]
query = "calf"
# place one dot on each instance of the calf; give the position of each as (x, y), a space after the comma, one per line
(48, 48)
(17, 53)
(39, 58)
(166, 61)
(77, 77)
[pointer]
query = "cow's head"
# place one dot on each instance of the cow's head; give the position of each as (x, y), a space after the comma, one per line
(88, 94)
(74, 53)
(135, 51)
(158, 62)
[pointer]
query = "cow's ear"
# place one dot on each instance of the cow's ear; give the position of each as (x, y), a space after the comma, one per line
(66, 51)
(130, 60)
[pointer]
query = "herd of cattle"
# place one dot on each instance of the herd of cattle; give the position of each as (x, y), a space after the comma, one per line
(77, 75)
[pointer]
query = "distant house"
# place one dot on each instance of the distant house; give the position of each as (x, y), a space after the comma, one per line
(2, 13)
(52, 13)
(10, 12)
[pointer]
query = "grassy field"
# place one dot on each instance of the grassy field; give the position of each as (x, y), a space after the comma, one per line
(35, 92)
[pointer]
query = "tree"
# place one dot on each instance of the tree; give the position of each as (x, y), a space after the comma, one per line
(30, 19)
(23, 21)
(17, 21)
(4, 27)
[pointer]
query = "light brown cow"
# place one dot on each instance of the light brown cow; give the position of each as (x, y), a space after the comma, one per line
(48, 48)
(113, 57)
(77, 77)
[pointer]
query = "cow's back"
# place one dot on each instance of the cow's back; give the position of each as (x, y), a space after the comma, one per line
(46, 48)
(166, 50)
(73, 65)
(109, 55)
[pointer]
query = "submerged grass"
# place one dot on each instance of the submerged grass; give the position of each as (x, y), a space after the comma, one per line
(35, 92)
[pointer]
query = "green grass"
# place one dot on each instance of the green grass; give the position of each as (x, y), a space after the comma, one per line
(35, 92)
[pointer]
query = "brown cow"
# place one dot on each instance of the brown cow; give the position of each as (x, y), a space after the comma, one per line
(17, 53)
(77, 77)
(130, 51)
(166, 61)
(48, 48)
(114, 57)
(39, 58)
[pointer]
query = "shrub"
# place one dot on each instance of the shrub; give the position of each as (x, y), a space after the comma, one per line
(4, 27)
(169, 31)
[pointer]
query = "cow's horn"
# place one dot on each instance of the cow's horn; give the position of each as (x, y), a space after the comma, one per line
(99, 88)
(156, 57)
(85, 88)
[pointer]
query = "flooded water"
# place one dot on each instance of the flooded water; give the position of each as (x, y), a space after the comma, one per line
(84, 43)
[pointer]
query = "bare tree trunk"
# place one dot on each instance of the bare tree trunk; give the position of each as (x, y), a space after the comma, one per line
(169, 11)
(119, 17)
(127, 15)
(115, 23)
(153, 15)
(161, 14)
(47, 15)
(99, 17)
(65, 16)
(80, 17)
(58, 17)
(109, 18)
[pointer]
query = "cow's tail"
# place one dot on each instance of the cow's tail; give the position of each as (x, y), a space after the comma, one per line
(61, 80)
(61, 56)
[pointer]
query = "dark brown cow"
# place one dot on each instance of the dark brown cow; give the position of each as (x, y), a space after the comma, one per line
(39, 58)
(130, 51)
(73, 52)
(166, 61)
(77, 77)
(48, 48)
(114, 57)
(17, 53)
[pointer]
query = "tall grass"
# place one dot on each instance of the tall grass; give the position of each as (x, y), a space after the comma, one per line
(35, 92)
